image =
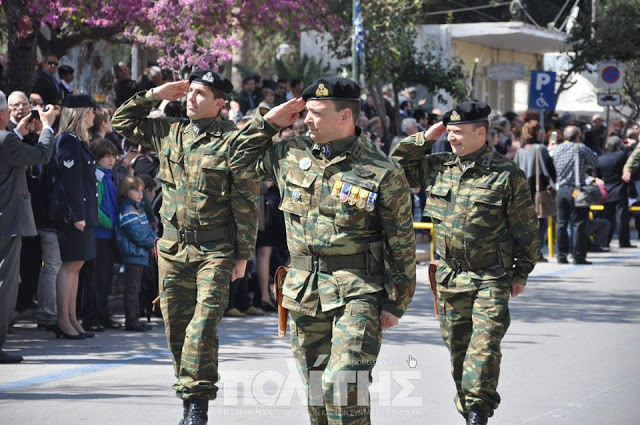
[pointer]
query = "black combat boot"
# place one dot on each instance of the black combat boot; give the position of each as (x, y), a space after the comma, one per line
(197, 415)
(477, 417)
(185, 412)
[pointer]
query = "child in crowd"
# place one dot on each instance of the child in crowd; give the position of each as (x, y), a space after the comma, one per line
(105, 153)
(135, 239)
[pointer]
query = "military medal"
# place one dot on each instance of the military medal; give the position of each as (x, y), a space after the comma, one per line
(353, 196)
(362, 198)
(371, 202)
(336, 189)
(296, 195)
(305, 164)
(344, 193)
(327, 150)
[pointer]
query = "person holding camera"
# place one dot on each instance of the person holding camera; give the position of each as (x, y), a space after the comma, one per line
(16, 219)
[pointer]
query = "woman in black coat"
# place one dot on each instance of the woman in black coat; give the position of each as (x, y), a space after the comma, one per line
(74, 207)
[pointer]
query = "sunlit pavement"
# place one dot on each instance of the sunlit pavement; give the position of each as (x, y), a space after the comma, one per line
(569, 357)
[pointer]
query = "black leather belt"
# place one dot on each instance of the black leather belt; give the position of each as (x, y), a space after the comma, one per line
(196, 236)
(329, 263)
(486, 261)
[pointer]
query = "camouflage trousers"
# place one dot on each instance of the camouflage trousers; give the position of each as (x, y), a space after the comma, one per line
(193, 299)
(336, 352)
(473, 324)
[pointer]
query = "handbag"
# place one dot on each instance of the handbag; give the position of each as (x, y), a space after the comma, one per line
(544, 201)
(588, 194)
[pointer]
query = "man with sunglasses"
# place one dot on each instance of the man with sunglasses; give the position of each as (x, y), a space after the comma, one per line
(46, 84)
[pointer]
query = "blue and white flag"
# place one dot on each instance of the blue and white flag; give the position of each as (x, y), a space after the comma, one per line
(358, 37)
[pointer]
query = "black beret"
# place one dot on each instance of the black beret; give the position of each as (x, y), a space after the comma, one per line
(467, 112)
(211, 79)
(79, 101)
(332, 88)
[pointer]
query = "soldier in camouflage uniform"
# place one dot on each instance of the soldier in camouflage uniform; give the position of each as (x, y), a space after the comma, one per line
(210, 225)
(487, 239)
(348, 218)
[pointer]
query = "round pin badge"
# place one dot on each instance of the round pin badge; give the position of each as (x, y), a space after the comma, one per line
(305, 164)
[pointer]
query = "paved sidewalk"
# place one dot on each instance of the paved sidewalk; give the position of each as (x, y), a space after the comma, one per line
(570, 357)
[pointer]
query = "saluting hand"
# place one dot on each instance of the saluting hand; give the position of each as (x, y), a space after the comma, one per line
(172, 91)
(434, 132)
(285, 114)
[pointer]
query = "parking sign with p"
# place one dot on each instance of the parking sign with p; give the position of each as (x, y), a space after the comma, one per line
(542, 91)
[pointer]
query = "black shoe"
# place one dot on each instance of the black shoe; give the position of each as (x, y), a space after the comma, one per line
(627, 246)
(9, 358)
(582, 261)
(87, 335)
(185, 412)
(135, 327)
(477, 417)
(541, 259)
(197, 414)
(267, 307)
(60, 333)
(563, 260)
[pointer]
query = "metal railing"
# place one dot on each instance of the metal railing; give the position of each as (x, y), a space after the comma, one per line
(550, 227)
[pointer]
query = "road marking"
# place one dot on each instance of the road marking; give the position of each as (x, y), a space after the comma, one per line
(75, 372)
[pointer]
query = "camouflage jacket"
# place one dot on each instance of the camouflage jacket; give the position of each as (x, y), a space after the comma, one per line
(198, 190)
(319, 224)
(485, 224)
(633, 162)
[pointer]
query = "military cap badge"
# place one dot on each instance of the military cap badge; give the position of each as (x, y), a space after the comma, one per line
(454, 116)
(208, 77)
(322, 91)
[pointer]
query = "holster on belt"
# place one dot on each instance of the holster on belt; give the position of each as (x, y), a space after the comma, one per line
(434, 285)
(283, 313)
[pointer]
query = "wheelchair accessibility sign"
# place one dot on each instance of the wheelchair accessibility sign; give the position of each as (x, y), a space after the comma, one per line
(542, 91)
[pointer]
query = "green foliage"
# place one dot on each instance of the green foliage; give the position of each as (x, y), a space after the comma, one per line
(307, 69)
(391, 54)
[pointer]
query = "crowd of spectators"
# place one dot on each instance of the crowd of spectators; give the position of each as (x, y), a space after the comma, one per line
(96, 203)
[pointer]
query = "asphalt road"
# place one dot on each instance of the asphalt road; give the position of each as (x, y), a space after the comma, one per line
(571, 356)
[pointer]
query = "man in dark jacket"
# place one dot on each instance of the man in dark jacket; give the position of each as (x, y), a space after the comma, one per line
(16, 217)
(125, 87)
(46, 84)
(616, 209)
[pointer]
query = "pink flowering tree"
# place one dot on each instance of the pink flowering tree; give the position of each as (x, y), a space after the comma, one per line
(186, 32)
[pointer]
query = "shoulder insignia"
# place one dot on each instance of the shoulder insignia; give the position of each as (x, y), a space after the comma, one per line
(68, 163)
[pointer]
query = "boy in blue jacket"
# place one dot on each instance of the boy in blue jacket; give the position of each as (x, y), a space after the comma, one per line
(105, 153)
(135, 239)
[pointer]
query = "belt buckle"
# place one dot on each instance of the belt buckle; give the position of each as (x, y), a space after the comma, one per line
(315, 264)
(181, 236)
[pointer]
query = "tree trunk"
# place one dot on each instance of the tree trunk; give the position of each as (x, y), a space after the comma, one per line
(396, 110)
(243, 56)
(375, 90)
(21, 47)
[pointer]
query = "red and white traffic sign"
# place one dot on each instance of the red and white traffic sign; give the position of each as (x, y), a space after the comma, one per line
(610, 75)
